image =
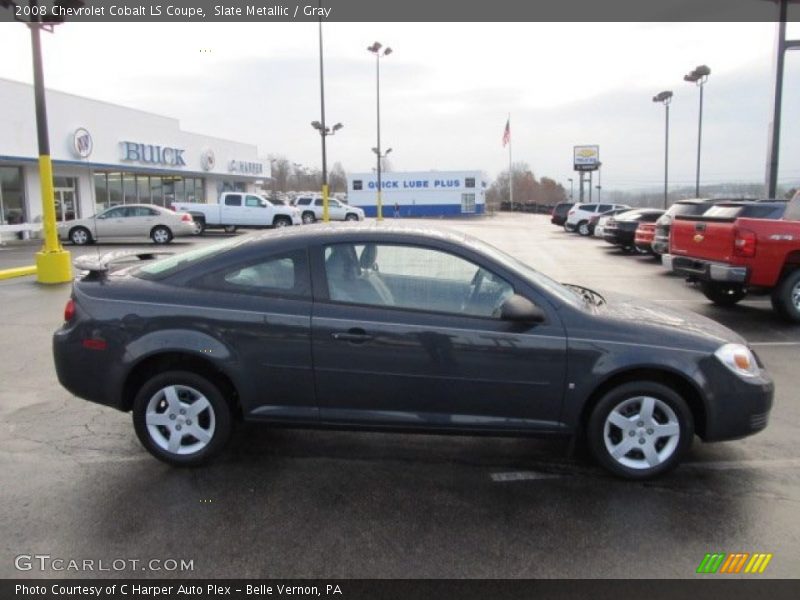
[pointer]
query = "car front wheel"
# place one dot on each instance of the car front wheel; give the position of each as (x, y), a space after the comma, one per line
(640, 429)
(282, 222)
(181, 418)
(351, 217)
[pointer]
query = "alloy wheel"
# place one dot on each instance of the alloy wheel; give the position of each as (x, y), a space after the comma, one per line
(641, 432)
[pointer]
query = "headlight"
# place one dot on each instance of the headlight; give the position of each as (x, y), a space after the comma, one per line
(739, 359)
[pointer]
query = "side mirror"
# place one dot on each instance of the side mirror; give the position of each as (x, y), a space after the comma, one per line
(263, 203)
(521, 310)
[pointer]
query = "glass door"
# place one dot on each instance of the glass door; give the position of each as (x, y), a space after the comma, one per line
(65, 204)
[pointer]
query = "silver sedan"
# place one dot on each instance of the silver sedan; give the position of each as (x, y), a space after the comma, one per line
(127, 221)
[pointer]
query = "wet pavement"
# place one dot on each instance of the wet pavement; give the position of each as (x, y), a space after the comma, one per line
(75, 484)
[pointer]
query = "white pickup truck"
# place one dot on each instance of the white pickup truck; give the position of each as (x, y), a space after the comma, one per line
(239, 209)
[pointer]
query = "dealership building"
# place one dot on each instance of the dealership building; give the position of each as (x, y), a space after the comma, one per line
(419, 193)
(104, 154)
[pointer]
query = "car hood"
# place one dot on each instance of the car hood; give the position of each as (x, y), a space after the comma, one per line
(672, 323)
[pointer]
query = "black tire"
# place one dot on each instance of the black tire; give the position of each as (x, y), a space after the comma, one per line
(161, 234)
(186, 380)
(309, 217)
(80, 236)
(229, 229)
(282, 221)
(723, 294)
(351, 217)
(201, 225)
(568, 228)
(786, 297)
(629, 394)
(583, 229)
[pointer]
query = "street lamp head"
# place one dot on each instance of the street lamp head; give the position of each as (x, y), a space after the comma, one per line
(702, 71)
(700, 74)
(375, 150)
(665, 97)
(387, 52)
(316, 125)
(376, 46)
(337, 127)
(387, 152)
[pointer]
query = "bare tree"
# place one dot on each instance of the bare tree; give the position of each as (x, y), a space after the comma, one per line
(337, 179)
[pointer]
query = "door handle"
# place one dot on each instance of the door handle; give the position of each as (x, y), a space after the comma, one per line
(354, 336)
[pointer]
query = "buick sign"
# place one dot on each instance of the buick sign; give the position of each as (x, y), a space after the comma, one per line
(82, 143)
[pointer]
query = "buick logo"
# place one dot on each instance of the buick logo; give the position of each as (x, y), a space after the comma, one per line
(82, 143)
(207, 160)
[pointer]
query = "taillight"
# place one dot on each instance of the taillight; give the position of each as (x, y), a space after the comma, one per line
(744, 243)
(647, 227)
(187, 218)
(69, 310)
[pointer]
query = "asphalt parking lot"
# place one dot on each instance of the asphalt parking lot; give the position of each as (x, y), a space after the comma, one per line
(282, 503)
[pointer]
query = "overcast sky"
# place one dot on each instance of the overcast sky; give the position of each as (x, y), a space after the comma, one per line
(446, 91)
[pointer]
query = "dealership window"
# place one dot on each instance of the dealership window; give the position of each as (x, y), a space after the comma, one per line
(467, 203)
(469, 182)
(12, 199)
(143, 187)
(100, 191)
(131, 188)
(357, 184)
(412, 277)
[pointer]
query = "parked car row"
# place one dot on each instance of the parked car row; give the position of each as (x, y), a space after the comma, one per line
(234, 209)
(730, 247)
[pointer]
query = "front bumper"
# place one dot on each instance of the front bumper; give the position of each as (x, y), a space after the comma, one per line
(735, 407)
(704, 270)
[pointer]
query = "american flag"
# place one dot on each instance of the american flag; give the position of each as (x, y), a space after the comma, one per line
(507, 133)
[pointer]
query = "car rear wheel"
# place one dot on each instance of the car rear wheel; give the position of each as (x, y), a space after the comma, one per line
(786, 297)
(199, 225)
(181, 418)
(351, 217)
(309, 217)
(80, 236)
(282, 222)
(583, 228)
(568, 228)
(161, 234)
(640, 429)
(723, 294)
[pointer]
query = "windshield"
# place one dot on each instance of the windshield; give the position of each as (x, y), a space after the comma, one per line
(690, 208)
(568, 295)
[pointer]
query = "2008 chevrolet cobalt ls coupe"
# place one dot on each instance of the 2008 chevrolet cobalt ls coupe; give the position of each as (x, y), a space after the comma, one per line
(405, 329)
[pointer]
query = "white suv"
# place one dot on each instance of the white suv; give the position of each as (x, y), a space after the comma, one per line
(311, 210)
(579, 215)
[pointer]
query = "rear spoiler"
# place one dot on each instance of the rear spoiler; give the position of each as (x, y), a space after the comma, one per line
(99, 265)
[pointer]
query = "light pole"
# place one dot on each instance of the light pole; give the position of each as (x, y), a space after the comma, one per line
(570, 187)
(375, 48)
(320, 126)
(323, 133)
(665, 98)
(699, 77)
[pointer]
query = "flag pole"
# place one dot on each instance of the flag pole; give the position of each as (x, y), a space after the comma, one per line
(510, 168)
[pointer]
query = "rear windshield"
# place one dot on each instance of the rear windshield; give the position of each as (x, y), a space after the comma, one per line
(688, 209)
(166, 266)
(752, 211)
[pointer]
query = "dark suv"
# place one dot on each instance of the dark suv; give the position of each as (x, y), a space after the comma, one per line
(559, 214)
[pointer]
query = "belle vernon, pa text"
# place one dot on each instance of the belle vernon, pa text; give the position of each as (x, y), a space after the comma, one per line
(135, 589)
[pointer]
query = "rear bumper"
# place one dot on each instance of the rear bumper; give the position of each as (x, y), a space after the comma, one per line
(704, 270)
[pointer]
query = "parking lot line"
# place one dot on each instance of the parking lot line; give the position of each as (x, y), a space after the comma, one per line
(522, 476)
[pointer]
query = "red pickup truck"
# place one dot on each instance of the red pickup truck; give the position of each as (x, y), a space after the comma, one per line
(741, 247)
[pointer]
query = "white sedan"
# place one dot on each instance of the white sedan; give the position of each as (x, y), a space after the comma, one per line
(126, 221)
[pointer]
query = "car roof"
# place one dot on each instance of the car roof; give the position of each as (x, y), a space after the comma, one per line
(332, 232)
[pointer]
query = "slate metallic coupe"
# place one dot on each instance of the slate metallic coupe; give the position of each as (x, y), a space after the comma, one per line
(389, 328)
